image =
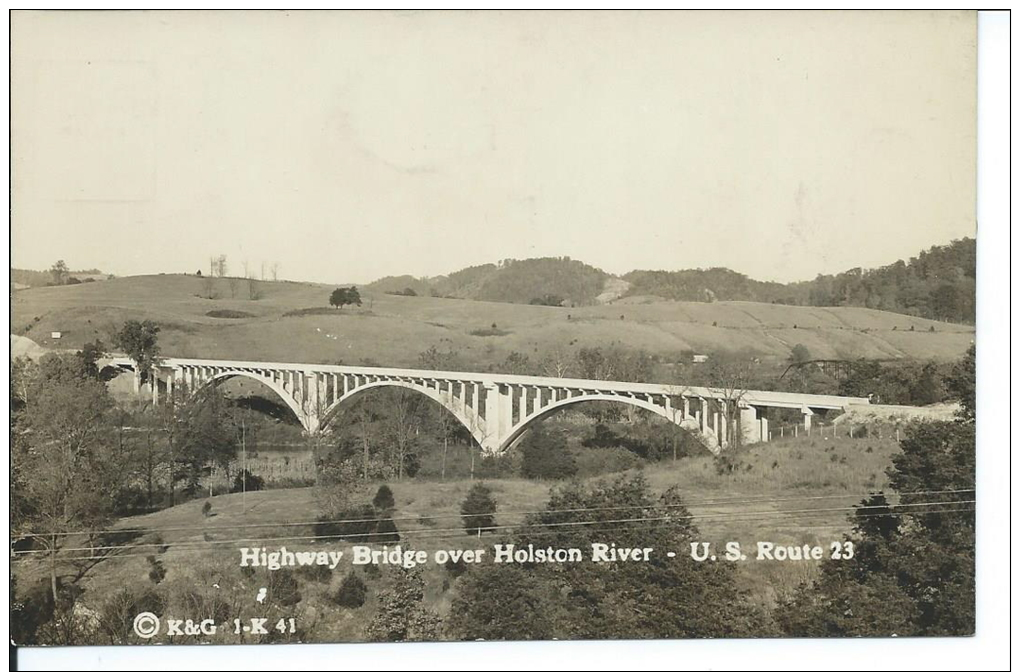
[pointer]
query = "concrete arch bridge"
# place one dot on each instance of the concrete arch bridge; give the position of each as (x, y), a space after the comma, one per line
(497, 409)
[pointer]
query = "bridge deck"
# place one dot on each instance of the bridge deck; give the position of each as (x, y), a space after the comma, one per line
(753, 397)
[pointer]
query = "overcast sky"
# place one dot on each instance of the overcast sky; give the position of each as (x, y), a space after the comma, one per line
(346, 147)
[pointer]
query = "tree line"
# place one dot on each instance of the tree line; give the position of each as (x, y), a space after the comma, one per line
(939, 284)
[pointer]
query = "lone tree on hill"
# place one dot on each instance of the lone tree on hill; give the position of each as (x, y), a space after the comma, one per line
(59, 272)
(478, 509)
(138, 340)
(345, 296)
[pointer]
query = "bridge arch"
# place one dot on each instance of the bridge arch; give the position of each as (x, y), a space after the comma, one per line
(465, 416)
(517, 432)
(279, 389)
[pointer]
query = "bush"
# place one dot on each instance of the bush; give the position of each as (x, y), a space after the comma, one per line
(352, 592)
(383, 500)
(357, 523)
(283, 589)
(727, 464)
(206, 508)
(245, 480)
(316, 573)
(478, 509)
(598, 461)
(455, 567)
(494, 466)
(157, 572)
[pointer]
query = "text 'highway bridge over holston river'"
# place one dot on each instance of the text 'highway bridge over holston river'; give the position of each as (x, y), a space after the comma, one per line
(496, 408)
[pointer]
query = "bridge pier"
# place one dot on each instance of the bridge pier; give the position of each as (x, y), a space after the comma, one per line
(807, 418)
(752, 426)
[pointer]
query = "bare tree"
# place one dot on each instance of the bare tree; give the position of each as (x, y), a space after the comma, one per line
(208, 287)
(558, 363)
(731, 376)
(274, 269)
(403, 424)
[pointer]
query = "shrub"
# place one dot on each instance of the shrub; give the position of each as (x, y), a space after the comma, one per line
(455, 567)
(478, 509)
(283, 589)
(157, 572)
(206, 508)
(356, 523)
(245, 480)
(383, 499)
(352, 592)
(726, 464)
(597, 461)
(317, 573)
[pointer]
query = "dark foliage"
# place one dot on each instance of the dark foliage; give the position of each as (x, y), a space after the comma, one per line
(247, 481)
(383, 500)
(913, 570)
(478, 509)
(938, 284)
(352, 592)
(345, 296)
(544, 456)
(576, 601)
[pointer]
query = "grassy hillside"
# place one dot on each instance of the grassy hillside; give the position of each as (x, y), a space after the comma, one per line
(292, 322)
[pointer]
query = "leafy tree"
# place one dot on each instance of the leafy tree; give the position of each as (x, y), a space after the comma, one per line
(800, 354)
(66, 467)
(913, 569)
(962, 384)
(516, 363)
(436, 360)
(496, 602)
(478, 509)
(202, 436)
(579, 601)
(89, 355)
(401, 616)
(139, 341)
(544, 456)
(59, 272)
(345, 296)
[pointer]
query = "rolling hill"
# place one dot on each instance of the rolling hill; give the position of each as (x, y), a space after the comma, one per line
(292, 322)
(938, 283)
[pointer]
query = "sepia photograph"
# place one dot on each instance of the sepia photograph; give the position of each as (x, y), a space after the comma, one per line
(333, 327)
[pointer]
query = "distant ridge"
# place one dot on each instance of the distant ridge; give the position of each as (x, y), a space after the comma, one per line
(939, 284)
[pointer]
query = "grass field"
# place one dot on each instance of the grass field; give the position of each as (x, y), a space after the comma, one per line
(392, 330)
(794, 492)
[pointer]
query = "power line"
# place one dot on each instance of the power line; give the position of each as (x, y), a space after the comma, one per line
(574, 523)
(206, 547)
(717, 502)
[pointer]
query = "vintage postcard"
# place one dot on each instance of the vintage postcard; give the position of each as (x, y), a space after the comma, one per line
(334, 327)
